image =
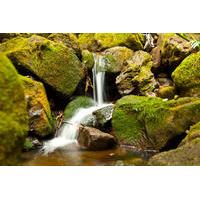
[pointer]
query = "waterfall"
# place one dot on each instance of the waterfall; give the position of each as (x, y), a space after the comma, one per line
(69, 131)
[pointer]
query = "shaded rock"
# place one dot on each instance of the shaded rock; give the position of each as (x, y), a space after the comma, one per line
(166, 92)
(186, 155)
(137, 77)
(94, 139)
(40, 119)
(170, 51)
(187, 76)
(100, 41)
(54, 63)
(13, 113)
(68, 39)
(193, 133)
(151, 122)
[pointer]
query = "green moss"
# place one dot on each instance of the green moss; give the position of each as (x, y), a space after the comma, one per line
(187, 75)
(101, 41)
(150, 122)
(79, 102)
(54, 63)
(40, 119)
(28, 145)
(166, 92)
(13, 114)
(88, 59)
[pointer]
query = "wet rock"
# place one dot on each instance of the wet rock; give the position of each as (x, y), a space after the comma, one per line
(137, 77)
(101, 41)
(31, 144)
(170, 51)
(54, 63)
(13, 113)
(187, 76)
(152, 122)
(94, 139)
(40, 119)
(185, 155)
(88, 59)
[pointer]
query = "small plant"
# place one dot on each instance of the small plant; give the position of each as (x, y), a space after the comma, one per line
(195, 44)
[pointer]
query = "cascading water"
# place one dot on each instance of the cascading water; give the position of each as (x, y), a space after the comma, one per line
(69, 131)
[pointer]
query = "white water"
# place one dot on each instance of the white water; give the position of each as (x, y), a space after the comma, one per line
(69, 131)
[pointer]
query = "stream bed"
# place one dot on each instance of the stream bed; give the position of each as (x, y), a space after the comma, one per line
(76, 157)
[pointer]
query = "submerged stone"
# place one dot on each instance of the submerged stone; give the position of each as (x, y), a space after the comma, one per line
(13, 113)
(94, 139)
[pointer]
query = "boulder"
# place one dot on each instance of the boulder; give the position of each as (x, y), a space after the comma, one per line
(88, 59)
(40, 119)
(68, 39)
(187, 76)
(185, 155)
(13, 113)
(137, 78)
(94, 139)
(54, 63)
(101, 41)
(152, 122)
(170, 51)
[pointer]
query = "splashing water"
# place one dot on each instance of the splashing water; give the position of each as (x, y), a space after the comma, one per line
(69, 131)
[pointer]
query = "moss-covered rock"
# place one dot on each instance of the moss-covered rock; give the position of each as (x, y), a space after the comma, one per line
(52, 62)
(13, 113)
(101, 41)
(172, 49)
(137, 78)
(88, 59)
(77, 103)
(185, 155)
(40, 119)
(192, 133)
(151, 122)
(187, 76)
(68, 39)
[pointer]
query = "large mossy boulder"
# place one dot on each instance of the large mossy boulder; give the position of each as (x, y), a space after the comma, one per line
(54, 63)
(151, 122)
(13, 113)
(136, 77)
(187, 76)
(40, 119)
(186, 155)
(101, 41)
(170, 51)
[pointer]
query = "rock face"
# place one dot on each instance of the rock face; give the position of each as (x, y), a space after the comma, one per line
(40, 119)
(54, 63)
(13, 113)
(170, 51)
(187, 76)
(137, 77)
(101, 41)
(94, 139)
(185, 155)
(151, 122)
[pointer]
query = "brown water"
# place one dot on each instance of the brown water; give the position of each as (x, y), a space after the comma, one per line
(76, 157)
